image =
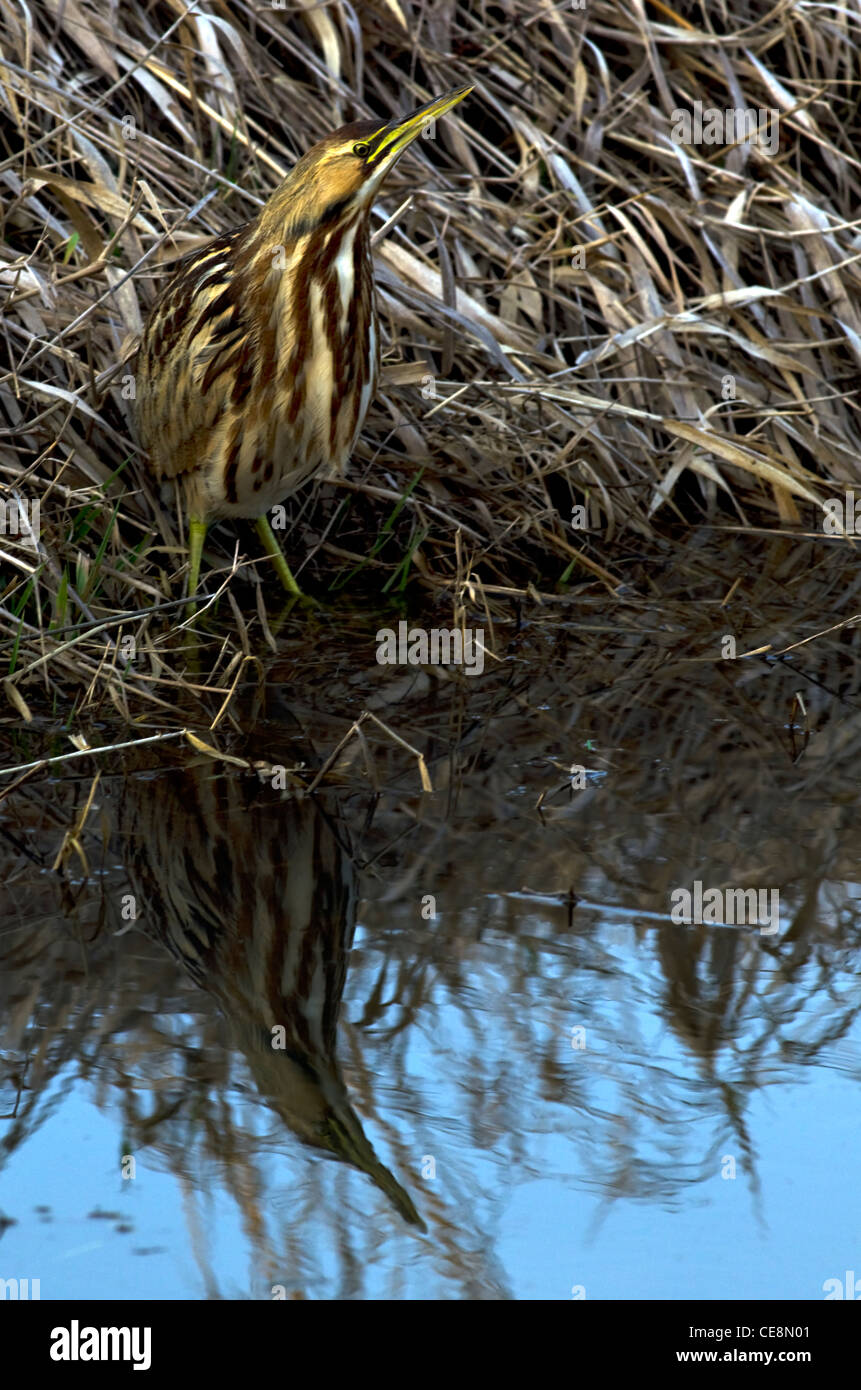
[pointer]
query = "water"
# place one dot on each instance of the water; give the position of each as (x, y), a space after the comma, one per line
(501, 1069)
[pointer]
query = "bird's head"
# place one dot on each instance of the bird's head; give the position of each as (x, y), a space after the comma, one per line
(341, 175)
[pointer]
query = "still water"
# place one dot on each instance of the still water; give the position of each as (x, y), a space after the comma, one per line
(437, 1028)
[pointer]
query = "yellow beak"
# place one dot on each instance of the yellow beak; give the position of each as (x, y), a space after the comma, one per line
(394, 137)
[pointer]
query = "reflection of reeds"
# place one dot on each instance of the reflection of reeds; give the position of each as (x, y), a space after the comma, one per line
(693, 775)
(254, 893)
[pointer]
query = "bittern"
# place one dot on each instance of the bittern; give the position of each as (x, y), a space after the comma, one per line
(255, 893)
(261, 355)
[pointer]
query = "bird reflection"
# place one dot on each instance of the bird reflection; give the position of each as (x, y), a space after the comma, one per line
(254, 892)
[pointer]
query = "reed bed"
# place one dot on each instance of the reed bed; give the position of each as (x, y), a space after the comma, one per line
(601, 330)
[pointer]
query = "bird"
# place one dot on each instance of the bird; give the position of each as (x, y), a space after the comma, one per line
(255, 893)
(261, 355)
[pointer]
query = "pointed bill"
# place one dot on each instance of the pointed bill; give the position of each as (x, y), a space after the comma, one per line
(388, 143)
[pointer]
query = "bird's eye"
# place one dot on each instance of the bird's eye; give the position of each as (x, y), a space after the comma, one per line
(361, 150)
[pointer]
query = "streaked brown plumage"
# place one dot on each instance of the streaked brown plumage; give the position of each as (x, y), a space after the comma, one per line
(255, 893)
(261, 355)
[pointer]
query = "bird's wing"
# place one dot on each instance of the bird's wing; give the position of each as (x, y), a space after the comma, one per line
(190, 359)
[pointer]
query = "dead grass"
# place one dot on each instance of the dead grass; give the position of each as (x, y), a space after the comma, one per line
(577, 308)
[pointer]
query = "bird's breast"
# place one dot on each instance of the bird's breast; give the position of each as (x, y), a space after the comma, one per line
(317, 346)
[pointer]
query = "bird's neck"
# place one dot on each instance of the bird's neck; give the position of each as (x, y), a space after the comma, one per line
(291, 215)
(285, 258)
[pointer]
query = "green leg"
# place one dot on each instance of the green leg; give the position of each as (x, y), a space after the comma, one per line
(271, 546)
(196, 537)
